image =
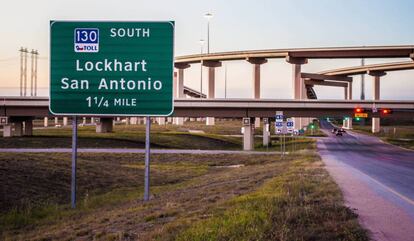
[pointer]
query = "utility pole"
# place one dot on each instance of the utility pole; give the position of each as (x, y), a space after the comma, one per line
(201, 68)
(225, 81)
(36, 53)
(31, 71)
(24, 71)
(21, 70)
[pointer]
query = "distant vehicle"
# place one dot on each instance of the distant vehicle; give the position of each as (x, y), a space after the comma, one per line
(339, 133)
(334, 130)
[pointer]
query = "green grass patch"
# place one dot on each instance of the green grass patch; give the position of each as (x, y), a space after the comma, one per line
(301, 204)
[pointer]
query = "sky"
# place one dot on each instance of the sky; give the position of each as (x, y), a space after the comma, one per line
(236, 25)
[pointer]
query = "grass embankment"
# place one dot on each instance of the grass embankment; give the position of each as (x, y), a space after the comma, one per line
(225, 135)
(195, 197)
(131, 136)
(397, 135)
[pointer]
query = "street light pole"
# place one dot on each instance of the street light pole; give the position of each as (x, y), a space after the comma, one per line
(208, 16)
(225, 81)
(201, 68)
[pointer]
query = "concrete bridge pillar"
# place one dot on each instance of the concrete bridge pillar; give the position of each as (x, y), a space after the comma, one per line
(256, 62)
(45, 122)
(266, 132)
(18, 128)
(299, 89)
(347, 122)
(179, 87)
(105, 125)
(212, 65)
(65, 121)
(7, 130)
(161, 121)
(28, 127)
(376, 96)
(248, 134)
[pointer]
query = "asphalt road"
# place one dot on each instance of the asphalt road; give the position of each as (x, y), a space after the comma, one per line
(377, 180)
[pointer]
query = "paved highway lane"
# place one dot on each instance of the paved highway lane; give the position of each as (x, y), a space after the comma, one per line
(377, 180)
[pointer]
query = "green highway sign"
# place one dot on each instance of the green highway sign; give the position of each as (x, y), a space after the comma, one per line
(111, 68)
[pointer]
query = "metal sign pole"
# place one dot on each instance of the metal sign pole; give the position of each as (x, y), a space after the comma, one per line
(281, 145)
(74, 157)
(147, 158)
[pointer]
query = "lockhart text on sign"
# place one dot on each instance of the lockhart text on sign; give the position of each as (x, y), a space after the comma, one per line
(113, 84)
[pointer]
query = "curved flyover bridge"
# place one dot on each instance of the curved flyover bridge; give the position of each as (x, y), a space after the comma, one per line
(302, 82)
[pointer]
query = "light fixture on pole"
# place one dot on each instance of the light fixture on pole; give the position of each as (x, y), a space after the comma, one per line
(201, 41)
(208, 16)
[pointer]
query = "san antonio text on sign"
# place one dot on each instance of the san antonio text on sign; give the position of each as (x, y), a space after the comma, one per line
(112, 66)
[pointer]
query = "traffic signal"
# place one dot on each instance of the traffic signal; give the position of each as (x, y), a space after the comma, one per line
(357, 119)
(386, 111)
(359, 110)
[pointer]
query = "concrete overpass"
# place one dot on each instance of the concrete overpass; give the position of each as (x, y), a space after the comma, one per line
(23, 110)
(295, 57)
(18, 107)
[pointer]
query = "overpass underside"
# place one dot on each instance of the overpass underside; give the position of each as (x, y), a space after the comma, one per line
(15, 107)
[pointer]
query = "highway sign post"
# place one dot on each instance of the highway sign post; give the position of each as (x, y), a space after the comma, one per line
(111, 69)
(280, 129)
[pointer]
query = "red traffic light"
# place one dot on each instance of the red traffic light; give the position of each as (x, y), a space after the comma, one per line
(359, 110)
(386, 111)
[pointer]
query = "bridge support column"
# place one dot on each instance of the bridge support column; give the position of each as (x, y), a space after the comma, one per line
(7, 130)
(211, 83)
(161, 121)
(18, 128)
(28, 127)
(376, 95)
(299, 89)
(133, 120)
(179, 87)
(266, 133)
(256, 62)
(65, 121)
(248, 135)
(211, 91)
(105, 125)
(45, 122)
(347, 122)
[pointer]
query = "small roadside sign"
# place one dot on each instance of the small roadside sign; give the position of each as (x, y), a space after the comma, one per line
(279, 116)
(289, 125)
(279, 122)
(361, 115)
(3, 120)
